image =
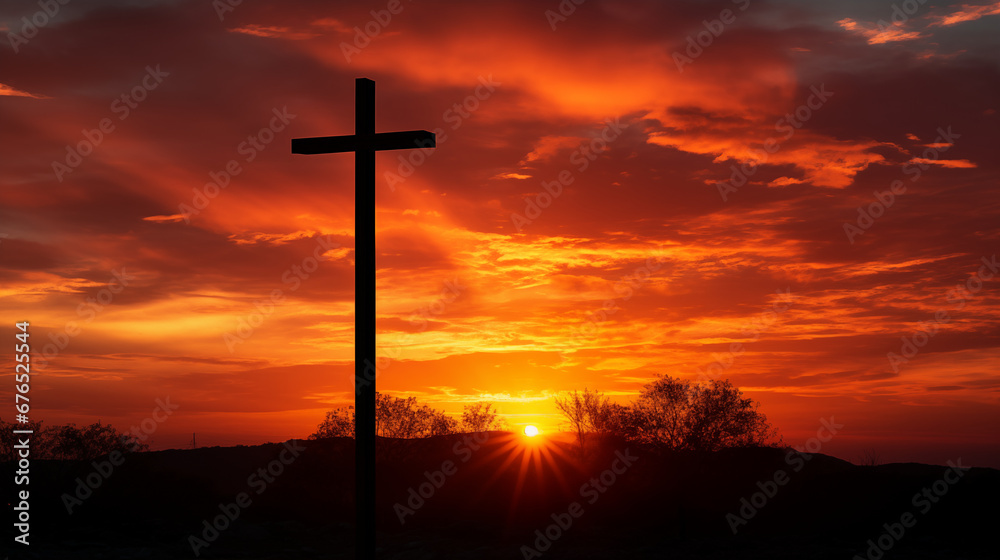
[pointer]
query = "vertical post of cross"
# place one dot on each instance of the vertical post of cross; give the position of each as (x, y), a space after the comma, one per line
(364, 312)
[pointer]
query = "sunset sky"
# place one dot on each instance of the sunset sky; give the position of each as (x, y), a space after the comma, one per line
(710, 155)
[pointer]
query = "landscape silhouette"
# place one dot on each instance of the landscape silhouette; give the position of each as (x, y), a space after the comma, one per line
(693, 471)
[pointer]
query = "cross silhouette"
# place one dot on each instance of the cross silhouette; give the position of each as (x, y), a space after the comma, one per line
(364, 143)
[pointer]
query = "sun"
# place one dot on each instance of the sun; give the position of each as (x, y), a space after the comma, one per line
(530, 431)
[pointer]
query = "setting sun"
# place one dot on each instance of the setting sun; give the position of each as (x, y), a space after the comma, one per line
(530, 431)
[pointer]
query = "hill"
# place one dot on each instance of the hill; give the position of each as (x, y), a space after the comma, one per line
(500, 495)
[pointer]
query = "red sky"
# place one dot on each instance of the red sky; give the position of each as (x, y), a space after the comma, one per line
(850, 107)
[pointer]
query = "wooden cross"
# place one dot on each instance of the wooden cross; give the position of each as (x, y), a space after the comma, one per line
(364, 143)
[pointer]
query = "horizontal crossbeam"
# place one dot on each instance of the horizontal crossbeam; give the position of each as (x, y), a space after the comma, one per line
(382, 141)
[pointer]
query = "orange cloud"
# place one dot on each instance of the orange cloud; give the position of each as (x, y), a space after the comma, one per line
(948, 163)
(966, 12)
(824, 162)
(6, 90)
(877, 34)
(272, 32)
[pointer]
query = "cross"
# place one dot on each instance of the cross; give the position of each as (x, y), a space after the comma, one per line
(364, 143)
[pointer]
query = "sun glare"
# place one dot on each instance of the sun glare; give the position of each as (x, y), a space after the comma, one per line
(530, 431)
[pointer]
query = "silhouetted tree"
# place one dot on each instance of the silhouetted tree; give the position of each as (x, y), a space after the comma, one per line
(720, 416)
(436, 422)
(68, 442)
(89, 442)
(339, 422)
(584, 412)
(616, 419)
(674, 414)
(394, 417)
(482, 417)
(663, 409)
